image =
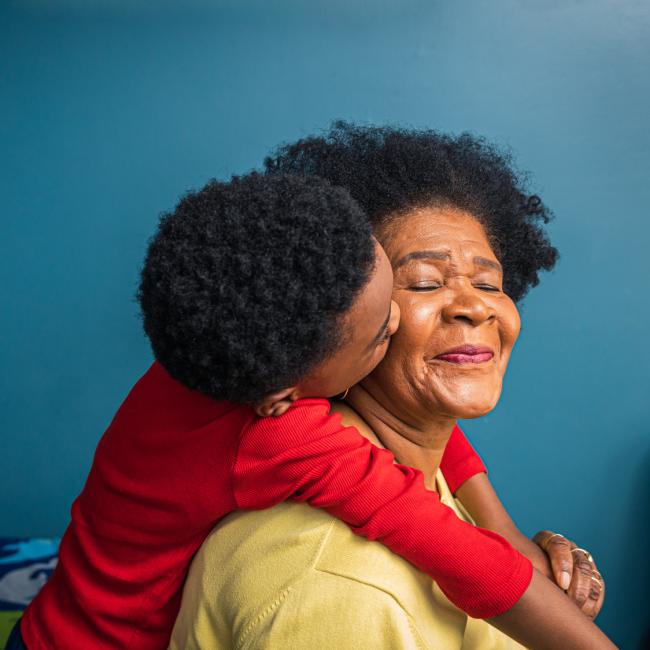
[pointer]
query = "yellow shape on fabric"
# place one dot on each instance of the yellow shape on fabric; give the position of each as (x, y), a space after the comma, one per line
(7, 621)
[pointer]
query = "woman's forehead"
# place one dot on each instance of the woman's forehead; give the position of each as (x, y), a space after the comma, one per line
(435, 230)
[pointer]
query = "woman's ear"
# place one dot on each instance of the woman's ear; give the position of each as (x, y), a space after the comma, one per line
(276, 403)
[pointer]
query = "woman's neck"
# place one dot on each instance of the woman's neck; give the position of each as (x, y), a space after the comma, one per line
(417, 442)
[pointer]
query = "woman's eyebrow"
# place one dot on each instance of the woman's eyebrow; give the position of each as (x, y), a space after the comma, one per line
(421, 255)
(484, 261)
(444, 255)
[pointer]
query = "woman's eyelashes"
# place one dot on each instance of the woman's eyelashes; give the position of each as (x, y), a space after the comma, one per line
(430, 280)
(429, 286)
(487, 287)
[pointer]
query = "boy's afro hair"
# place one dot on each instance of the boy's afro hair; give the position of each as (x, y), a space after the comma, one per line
(245, 285)
(390, 171)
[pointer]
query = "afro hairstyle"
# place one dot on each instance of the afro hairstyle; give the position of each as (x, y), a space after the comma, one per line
(390, 171)
(245, 285)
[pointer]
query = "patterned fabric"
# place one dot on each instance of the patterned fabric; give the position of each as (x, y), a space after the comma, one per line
(25, 565)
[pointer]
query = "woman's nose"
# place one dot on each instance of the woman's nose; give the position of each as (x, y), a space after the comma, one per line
(467, 306)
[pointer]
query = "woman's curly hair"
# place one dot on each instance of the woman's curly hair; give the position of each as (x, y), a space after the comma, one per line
(245, 284)
(390, 171)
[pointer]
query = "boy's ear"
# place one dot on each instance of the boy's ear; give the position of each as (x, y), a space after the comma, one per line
(276, 403)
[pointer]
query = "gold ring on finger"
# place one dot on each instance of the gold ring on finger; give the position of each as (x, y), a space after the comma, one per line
(598, 582)
(547, 541)
(582, 550)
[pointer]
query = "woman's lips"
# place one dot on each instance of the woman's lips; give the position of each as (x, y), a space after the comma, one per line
(467, 354)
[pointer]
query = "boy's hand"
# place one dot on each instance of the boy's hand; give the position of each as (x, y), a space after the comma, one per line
(574, 570)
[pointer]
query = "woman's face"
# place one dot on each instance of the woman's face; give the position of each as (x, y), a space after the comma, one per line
(457, 326)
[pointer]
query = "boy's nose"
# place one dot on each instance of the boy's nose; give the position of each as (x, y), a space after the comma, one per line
(393, 323)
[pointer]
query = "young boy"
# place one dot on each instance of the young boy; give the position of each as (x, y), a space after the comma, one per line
(261, 297)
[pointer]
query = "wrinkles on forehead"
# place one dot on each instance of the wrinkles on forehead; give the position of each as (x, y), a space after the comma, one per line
(444, 256)
(390, 226)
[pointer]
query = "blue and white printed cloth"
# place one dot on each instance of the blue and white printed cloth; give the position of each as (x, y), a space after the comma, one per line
(25, 566)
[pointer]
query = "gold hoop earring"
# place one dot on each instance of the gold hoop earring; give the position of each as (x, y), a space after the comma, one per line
(347, 390)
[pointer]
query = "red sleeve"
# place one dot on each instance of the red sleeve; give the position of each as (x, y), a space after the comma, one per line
(460, 461)
(307, 455)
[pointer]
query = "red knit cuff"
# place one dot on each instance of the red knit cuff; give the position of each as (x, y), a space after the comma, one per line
(509, 592)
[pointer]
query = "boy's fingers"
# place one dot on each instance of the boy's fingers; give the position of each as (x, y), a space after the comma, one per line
(583, 588)
(594, 599)
(558, 548)
(589, 582)
(601, 596)
(574, 571)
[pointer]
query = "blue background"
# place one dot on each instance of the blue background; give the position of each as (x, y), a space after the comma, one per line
(110, 110)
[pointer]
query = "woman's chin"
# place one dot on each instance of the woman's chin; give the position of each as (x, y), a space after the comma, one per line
(472, 412)
(470, 407)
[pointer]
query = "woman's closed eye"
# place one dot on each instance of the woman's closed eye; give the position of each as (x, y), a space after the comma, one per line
(425, 286)
(432, 286)
(487, 287)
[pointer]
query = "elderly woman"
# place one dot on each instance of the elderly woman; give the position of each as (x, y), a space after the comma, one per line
(465, 244)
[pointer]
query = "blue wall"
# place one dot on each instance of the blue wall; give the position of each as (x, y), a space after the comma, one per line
(109, 110)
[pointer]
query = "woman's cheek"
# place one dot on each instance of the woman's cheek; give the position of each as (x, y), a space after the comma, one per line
(510, 322)
(408, 342)
(416, 310)
(411, 345)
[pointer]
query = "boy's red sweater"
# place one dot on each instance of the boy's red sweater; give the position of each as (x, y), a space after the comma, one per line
(174, 462)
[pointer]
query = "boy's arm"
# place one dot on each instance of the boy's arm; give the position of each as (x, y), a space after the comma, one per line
(557, 562)
(484, 506)
(467, 478)
(550, 554)
(307, 455)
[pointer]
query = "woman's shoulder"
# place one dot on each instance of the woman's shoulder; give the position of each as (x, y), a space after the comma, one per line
(285, 544)
(259, 571)
(248, 563)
